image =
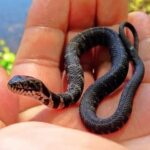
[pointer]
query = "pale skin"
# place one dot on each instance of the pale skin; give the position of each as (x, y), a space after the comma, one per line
(49, 25)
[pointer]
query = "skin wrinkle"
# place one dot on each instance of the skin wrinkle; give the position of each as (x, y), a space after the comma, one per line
(41, 36)
(144, 45)
(43, 62)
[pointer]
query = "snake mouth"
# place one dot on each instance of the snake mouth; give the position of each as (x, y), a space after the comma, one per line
(20, 91)
(14, 89)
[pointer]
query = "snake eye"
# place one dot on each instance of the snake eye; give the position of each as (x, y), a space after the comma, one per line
(12, 84)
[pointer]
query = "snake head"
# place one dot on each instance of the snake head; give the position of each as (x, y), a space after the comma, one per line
(28, 86)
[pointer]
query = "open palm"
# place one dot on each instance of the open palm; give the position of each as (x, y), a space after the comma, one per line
(49, 26)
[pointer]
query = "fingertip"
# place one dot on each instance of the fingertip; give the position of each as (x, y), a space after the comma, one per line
(49, 13)
(79, 10)
(111, 12)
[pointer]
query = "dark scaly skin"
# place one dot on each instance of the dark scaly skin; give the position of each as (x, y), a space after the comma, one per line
(33, 87)
(95, 93)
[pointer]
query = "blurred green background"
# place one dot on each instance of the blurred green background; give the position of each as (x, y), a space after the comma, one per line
(142, 5)
(11, 27)
(7, 57)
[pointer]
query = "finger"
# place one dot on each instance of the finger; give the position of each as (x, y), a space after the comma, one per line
(9, 107)
(65, 138)
(109, 12)
(142, 23)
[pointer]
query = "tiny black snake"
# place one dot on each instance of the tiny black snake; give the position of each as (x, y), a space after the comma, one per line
(121, 52)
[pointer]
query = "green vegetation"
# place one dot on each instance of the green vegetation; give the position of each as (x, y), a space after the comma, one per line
(142, 5)
(7, 58)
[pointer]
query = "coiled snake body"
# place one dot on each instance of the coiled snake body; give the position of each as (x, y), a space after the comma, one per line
(121, 52)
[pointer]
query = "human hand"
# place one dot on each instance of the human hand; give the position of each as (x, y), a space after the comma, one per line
(40, 56)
